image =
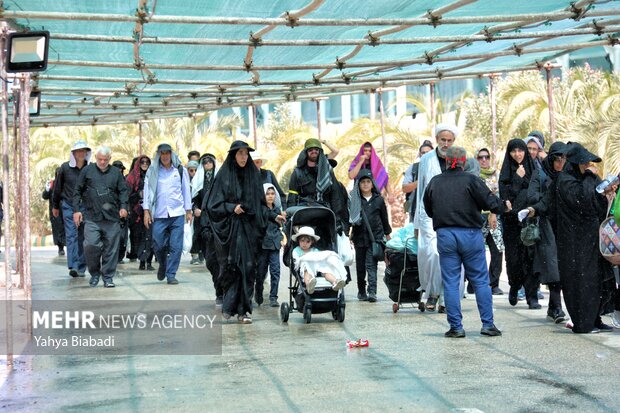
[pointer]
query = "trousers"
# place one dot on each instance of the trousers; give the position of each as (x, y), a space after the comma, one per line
(74, 236)
(464, 247)
(101, 244)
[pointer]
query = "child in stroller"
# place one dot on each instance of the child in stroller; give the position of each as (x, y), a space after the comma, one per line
(309, 261)
(320, 223)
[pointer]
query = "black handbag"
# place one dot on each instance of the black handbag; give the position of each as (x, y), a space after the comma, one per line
(378, 247)
(530, 233)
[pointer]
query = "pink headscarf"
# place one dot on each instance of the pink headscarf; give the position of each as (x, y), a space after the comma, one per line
(376, 166)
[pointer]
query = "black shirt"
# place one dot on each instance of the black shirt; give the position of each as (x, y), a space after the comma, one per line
(103, 193)
(456, 198)
(65, 183)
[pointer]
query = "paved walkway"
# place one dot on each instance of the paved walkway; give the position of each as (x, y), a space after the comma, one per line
(536, 366)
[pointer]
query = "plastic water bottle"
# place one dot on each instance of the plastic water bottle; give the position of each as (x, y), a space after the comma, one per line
(610, 180)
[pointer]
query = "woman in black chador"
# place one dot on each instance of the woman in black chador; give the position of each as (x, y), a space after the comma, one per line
(234, 206)
(514, 180)
(544, 252)
(583, 270)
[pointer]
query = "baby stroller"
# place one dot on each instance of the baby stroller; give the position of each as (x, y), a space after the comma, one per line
(402, 277)
(324, 299)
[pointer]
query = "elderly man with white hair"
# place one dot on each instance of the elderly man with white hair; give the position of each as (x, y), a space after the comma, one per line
(431, 164)
(102, 190)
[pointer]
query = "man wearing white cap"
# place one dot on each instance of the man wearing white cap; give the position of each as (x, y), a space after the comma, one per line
(431, 164)
(64, 187)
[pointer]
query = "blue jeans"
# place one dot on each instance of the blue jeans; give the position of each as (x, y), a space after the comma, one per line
(168, 243)
(268, 259)
(74, 238)
(464, 246)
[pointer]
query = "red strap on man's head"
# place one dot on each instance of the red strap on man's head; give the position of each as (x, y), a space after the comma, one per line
(454, 161)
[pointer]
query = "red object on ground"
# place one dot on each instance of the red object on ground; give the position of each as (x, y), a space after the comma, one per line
(358, 343)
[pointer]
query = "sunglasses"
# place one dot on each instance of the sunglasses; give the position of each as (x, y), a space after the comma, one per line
(191, 170)
(484, 157)
(145, 162)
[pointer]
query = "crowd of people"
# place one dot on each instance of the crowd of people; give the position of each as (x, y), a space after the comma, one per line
(456, 205)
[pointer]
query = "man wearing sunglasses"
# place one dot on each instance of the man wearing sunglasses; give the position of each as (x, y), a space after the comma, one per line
(312, 181)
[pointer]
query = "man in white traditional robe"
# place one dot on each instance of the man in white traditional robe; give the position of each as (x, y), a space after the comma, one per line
(431, 164)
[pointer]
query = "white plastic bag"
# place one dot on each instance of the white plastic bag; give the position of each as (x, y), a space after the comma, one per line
(188, 235)
(344, 250)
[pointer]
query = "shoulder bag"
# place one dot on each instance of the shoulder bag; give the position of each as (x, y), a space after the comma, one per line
(378, 247)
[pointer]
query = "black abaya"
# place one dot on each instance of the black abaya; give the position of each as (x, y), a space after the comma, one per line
(514, 188)
(579, 212)
(236, 236)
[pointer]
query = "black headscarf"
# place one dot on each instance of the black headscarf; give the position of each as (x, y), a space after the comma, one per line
(236, 235)
(234, 184)
(510, 166)
(555, 151)
(209, 175)
(508, 191)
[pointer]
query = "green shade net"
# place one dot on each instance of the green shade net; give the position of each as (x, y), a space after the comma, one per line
(103, 80)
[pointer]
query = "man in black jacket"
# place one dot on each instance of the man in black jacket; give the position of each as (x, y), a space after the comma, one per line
(62, 200)
(454, 200)
(312, 181)
(105, 195)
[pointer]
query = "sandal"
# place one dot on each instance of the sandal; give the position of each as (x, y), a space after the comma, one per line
(430, 303)
(245, 319)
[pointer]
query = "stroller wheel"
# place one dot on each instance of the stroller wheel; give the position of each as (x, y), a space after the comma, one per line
(308, 314)
(341, 313)
(284, 312)
(421, 306)
(395, 307)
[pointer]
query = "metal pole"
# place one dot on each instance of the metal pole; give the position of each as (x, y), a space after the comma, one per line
(279, 21)
(371, 66)
(366, 41)
(550, 104)
(8, 291)
(24, 132)
(254, 126)
(318, 117)
(140, 138)
(17, 184)
(372, 109)
(432, 105)
(382, 120)
(493, 117)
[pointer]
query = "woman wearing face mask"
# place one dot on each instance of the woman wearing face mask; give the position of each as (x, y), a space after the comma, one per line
(514, 181)
(545, 262)
(583, 270)
(234, 205)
